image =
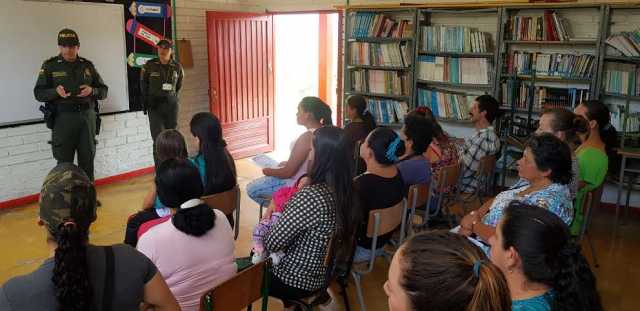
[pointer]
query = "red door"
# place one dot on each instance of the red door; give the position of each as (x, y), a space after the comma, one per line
(241, 79)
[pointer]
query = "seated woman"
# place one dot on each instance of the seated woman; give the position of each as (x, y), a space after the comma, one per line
(565, 125)
(443, 271)
(362, 123)
(170, 144)
(73, 277)
(442, 151)
(593, 161)
(381, 186)
(316, 214)
(313, 113)
(543, 267)
(194, 250)
(416, 136)
(546, 167)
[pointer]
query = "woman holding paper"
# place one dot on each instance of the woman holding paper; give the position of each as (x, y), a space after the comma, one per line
(312, 113)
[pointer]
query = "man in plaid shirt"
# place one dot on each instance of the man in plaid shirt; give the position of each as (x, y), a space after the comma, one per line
(484, 142)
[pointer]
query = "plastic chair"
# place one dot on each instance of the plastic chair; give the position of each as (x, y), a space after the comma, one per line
(229, 203)
(240, 291)
(381, 221)
(590, 202)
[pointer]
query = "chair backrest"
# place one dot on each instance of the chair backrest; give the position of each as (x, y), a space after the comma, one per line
(238, 292)
(447, 177)
(418, 195)
(390, 219)
(590, 202)
(486, 165)
(226, 201)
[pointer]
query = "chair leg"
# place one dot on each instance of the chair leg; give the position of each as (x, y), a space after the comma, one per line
(593, 251)
(343, 292)
(356, 279)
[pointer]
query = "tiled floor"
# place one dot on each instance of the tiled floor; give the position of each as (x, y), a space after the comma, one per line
(23, 243)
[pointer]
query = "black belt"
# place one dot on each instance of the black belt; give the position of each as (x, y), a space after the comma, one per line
(73, 107)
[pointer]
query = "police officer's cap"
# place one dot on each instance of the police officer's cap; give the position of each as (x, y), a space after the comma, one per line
(68, 37)
(165, 44)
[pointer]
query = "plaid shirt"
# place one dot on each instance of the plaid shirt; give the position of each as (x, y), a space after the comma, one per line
(484, 142)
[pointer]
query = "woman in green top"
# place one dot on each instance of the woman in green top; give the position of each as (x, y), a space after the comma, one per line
(593, 161)
(544, 268)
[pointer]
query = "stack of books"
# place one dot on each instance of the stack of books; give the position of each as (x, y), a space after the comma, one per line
(458, 70)
(622, 79)
(554, 64)
(387, 111)
(548, 27)
(543, 97)
(380, 54)
(369, 24)
(379, 82)
(446, 105)
(457, 39)
(627, 43)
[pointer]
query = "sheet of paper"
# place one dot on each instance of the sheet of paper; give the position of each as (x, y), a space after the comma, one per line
(264, 161)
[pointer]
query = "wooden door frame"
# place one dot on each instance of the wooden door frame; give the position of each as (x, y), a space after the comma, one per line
(322, 69)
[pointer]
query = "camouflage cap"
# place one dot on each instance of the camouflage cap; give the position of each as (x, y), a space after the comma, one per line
(67, 195)
(68, 37)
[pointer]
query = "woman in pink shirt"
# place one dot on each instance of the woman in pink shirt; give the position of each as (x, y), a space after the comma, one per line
(193, 249)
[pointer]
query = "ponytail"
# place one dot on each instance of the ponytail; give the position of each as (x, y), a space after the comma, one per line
(574, 284)
(71, 271)
(490, 289)
(368, 120)
(195, 221)
(320, 111)
(359, 104)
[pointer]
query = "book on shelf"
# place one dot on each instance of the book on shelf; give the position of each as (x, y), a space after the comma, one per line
(543, 97)
(380, 82)
(446, 105)
(579, 66)
(546, 27)
(461, 70)
(622, 79)
(387, 111)
(369, 24)
(380, 54)
(456, 39)
(626, 42)
(617, 119)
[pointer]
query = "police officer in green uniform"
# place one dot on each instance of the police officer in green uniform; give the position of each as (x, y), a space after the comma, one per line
(71, 85)
(160, 83)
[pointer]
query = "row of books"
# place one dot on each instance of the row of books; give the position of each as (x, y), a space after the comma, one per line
(446, 105)
(554, 64)
(627, 43)
(369, 24)
(380, 54)
(387, 111)
(457, 39)
(548, 27)
(543, 97)
(622, 79)
(617, 119)
(379, 81)
(453, 69)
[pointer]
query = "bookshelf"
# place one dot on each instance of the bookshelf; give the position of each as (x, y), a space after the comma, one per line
(550, 57)
(620, 68)
(456, 60)
(379, 61)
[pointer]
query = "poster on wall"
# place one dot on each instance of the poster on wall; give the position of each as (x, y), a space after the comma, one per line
(146, 22)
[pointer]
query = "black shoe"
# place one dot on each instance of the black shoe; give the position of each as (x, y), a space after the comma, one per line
(98, 203)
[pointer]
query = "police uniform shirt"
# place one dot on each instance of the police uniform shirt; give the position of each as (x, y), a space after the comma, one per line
(161, 80)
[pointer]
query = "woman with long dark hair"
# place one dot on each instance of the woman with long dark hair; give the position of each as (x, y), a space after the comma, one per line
(593, 154)
(362, 121)
(80, 276)
(442, 150)
(317, 214)
(416, 136)
(192, 248)
(543, 266)
(312, 113)
(380, 187)
(443, 271)
(215, 164)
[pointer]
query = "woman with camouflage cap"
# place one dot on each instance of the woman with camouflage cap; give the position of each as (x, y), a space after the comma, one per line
(81, 276)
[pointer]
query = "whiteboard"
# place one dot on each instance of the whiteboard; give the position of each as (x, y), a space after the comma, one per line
(28, 36)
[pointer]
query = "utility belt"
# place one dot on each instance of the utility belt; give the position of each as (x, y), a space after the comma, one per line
(74, 107)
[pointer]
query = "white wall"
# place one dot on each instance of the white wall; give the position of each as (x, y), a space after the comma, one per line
(25, 155)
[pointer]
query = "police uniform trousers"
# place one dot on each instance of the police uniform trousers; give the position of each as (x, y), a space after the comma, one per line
(163, 115)
(75, 131)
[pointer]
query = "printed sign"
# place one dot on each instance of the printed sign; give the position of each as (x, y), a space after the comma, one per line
(139, 59)
(143, 32)
(149, 9)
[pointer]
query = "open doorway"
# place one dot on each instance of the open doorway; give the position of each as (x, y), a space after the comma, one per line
(306, 64)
